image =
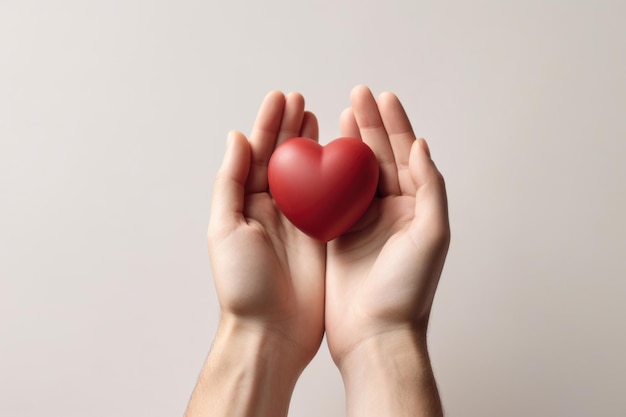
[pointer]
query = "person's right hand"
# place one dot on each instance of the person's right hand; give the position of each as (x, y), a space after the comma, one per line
(381, 275)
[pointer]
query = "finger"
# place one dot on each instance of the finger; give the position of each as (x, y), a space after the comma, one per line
(229, 188)
(347, 124)
(263, 139)
(401, 137)
(292, 117)
(431, 204)
(375, 136)
(310, 127)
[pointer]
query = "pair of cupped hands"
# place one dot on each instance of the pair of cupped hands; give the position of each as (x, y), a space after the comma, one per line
(377, 280)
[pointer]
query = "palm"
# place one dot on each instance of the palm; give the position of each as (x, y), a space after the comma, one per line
(383, 273)
(266, 271)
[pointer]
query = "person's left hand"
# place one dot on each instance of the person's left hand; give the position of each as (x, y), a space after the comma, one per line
(269, 276)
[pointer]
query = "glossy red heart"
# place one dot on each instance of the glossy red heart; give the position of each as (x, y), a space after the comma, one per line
(323, 190)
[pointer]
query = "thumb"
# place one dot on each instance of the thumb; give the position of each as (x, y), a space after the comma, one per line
(431, 203)
(229, 187)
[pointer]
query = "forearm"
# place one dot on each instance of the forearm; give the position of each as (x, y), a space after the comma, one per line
(390, 375)
(248, 373)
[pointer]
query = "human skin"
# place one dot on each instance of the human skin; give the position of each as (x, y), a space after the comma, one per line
(381, 276)
(371, 289)
(269, 277)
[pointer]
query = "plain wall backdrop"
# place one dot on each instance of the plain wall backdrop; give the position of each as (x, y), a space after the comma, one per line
(113, 121)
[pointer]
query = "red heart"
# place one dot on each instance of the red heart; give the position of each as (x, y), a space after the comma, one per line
(323, 191)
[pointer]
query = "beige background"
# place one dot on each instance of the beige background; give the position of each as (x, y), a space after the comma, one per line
(113, 118)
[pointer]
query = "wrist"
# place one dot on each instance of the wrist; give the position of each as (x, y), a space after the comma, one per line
(390, 374)
(250, 372)
(404, 344)
(250, 341)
